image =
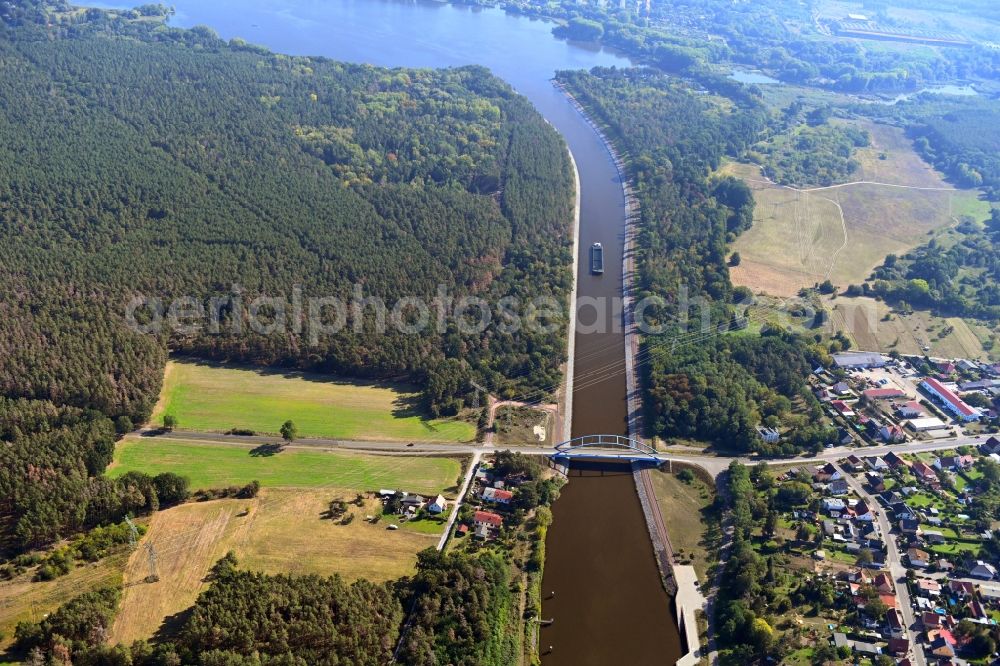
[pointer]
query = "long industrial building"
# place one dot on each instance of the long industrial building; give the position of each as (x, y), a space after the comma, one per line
(950, 401)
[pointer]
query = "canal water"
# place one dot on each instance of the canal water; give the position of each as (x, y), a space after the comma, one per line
(609, 606)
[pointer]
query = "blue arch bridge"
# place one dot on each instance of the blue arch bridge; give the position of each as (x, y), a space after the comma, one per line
(604, 448)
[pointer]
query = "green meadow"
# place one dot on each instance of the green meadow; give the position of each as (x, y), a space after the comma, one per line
(217, 465)
(215, 399)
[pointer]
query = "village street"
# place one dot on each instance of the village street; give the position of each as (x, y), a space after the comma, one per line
(895, 565)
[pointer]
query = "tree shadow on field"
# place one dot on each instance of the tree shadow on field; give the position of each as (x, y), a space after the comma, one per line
(315, 375)
(267, 450)
(171, 626)
(408, 406)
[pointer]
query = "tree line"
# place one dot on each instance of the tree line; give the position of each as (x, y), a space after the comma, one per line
(716, 385)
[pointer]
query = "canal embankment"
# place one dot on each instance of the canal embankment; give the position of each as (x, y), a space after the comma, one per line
(566, 404)
(679, 582)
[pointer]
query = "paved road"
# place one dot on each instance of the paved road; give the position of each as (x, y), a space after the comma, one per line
(469, 475)
(715, 465)
(895, 565)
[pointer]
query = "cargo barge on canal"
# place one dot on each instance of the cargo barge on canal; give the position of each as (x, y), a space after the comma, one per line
(597, 259)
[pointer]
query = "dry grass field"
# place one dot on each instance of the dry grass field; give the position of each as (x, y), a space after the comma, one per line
(23, 600)
(872, 326)
(801, 238)
(281, 531)
(682, 505)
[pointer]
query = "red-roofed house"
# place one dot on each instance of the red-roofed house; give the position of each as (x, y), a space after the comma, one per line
(962, 588)
(843, 408)
(951, 402)
(910, 410)
(487, 518)
(883, 394)
(931, 620)
(892, 433)
(883, 583)
(924, 472)
(898, 646)
(497, 495)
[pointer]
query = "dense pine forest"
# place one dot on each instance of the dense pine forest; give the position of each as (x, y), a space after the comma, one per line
(715, 385)
(142, 160)
(246, 619)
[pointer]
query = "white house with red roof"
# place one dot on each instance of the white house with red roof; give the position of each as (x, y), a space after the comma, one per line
(950, 401)
(497, 495)
(487, 519)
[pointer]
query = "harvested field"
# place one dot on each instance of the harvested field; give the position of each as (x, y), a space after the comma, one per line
(281, 531)
(873, 326)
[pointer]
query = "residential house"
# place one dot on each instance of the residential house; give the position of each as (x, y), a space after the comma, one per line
(894, 461)
(883, 583)
(931, 620)
(769, 435)
(965, 365)
(839, 487)
(929, 588)
(910, 526)
(990, 446)
(833, 505)
(863, 512)
(942, 642)
(413, 503)
(953, 463)
(487, 519)
(827, 473)
(924, 472)
(497, 495)
(944, 565)
(898, 646)
(892, 433)
(894, 623)
(933, 537)
(977, 613)
(438, 505)
(910, 410)
(902, 511)
(852, 463)
(875, 481)
(945, 367)
(841, 388)
(845, 410)
(877, 463)
(961, 588)
(983, 570)
(919, 559)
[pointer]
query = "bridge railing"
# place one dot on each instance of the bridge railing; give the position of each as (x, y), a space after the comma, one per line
(620, 442)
